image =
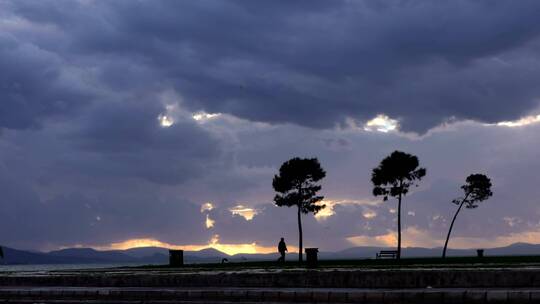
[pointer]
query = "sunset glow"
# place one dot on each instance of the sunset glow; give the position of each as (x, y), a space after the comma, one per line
(415, 237)
(214, 242)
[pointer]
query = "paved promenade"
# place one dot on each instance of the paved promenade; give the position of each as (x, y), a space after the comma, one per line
(373, 286)
(265, 295)
(527, 277)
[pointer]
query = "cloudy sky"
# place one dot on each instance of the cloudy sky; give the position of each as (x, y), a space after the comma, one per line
(130, 123)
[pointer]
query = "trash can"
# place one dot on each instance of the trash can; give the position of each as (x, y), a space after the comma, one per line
(480, 253)
(176, 258)
(311, 257)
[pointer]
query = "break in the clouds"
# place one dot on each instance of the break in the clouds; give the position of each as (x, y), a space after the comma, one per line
(166, 120)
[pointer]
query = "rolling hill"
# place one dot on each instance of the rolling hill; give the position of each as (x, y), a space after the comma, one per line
(158, 255)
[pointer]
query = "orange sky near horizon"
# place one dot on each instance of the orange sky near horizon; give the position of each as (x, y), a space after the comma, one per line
(412, 236)
(230, 249)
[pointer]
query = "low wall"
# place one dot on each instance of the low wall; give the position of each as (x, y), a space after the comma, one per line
(406, 278)
(106, 295)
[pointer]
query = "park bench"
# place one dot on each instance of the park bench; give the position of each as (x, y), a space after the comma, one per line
(392, 254)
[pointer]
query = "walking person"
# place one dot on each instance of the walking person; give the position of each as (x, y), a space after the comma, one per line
(282, 248)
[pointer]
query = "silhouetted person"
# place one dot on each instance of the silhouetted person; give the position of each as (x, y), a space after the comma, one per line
(282, 248)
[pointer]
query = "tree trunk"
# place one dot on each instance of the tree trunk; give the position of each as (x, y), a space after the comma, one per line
(399, 219)
(451, 226)
(399, 228)
(299, 235)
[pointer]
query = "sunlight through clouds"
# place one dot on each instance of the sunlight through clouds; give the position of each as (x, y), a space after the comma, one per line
(381, 123)
(247, 213)
(369, 214)
(207, 207)
(165, 121)
(520, 122)
(209, 222)
(203, 116)
(329, 210)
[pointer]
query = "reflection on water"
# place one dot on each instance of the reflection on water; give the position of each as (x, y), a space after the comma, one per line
(49, 267)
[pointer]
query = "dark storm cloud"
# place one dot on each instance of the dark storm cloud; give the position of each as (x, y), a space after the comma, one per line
(129, 141)
(33, 85)
(318, 62)
(82, 84)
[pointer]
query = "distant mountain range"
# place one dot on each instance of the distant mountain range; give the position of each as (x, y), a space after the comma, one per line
(157, 255)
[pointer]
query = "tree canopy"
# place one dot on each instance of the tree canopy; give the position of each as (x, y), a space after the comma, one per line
(477, 188)
(296, 184)
(395, 174)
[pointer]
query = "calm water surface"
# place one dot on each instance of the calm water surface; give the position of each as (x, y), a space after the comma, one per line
(49, 267)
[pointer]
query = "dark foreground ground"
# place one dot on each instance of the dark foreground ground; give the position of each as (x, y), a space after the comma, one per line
(454, 280)
(265, 295)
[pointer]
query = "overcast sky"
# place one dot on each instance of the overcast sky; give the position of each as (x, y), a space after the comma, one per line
(140, 122)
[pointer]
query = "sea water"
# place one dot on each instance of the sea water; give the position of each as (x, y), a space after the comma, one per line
(52, 267)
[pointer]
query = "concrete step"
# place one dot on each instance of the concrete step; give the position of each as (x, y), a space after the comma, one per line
(354, 278)
(265, 295)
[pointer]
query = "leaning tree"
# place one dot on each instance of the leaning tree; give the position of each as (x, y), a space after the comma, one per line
(393, 177)
(477, 188)
(297, 185)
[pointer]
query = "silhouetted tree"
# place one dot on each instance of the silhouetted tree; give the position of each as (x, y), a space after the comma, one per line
(297, 186)
(476, 189)
(393, 177)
